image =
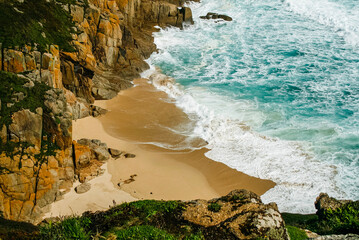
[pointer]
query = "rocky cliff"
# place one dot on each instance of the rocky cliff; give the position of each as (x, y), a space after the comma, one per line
(36, 146)
(38, 161)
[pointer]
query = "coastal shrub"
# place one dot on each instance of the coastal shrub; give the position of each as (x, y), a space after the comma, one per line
(195, 236)
(146, 212)
(144, 232)
(340, 221)
(36, 22)
(237, 197)
(214, 207)
(70, 228)
(344, 219)
(296, 233)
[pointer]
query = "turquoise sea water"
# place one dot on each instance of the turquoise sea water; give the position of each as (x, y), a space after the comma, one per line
(289, 70)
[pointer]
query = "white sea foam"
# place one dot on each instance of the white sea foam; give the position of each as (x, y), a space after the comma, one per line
(343, 20)
(294, 166)
(299, 176)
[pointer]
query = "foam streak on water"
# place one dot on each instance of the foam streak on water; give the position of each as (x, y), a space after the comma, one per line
(275, 92)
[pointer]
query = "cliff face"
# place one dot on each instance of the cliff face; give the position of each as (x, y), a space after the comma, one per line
(37, 160)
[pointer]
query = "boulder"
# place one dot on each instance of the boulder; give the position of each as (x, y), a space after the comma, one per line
(115, 153)
(241, 213)
(97, 111)
(87, 164)
(129, 155)
(211, 15)
(82, 188)
(99, 149)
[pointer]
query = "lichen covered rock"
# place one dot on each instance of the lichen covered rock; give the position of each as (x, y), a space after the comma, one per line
(241, 213)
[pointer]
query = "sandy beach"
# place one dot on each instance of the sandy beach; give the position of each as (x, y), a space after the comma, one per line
(180, 171)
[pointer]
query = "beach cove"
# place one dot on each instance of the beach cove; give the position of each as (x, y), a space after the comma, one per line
(160, 173)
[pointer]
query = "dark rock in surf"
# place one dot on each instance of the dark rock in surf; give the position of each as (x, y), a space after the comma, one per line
(211, 15)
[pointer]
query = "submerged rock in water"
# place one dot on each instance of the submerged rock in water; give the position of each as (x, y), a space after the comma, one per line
(211, 15)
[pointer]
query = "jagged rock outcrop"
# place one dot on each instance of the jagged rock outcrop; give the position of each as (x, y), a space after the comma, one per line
(43, 67)
(241, 213)
(114, 37)
(89, 156)
(324, 202)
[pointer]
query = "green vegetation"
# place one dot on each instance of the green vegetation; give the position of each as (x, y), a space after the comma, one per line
(299, 220)
(150, 208)
(36, 23)
(214, 207)
(340, 221)
(17, 230)
(70, 228)
(296, 233)
(32, 98)
(11, 85)
(148, 219)
(144, 232)
(343, 220)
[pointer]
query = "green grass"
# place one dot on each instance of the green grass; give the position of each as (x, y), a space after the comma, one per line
(152, 207)
(299, 220)
(214, 207)
(147, 219)
(144, 210)
(151, 233)
(143, 232)
(296, 233)
(70, 228)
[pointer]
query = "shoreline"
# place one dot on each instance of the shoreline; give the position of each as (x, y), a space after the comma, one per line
(159, 173)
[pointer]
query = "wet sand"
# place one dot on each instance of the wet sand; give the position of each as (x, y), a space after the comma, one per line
(144, 114)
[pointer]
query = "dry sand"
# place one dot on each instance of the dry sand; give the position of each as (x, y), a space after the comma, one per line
(144, 114)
